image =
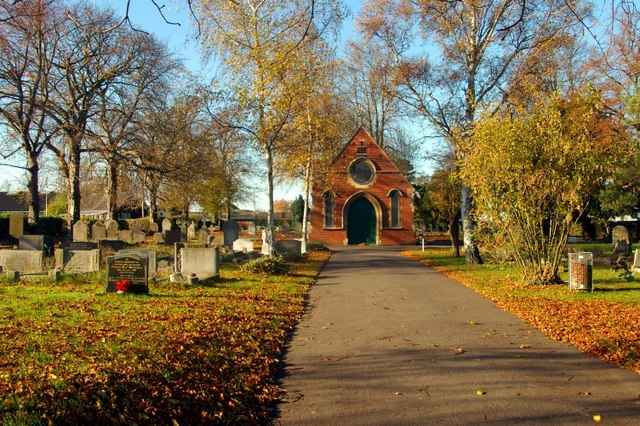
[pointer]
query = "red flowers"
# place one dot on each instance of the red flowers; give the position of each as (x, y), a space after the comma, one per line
(123, 286)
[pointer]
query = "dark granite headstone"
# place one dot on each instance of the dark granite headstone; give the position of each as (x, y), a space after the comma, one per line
(113, 245)
(36, 242)
(172, 236)
(128, 267)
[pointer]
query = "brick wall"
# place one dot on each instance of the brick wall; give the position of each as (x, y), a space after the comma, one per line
(387, 178)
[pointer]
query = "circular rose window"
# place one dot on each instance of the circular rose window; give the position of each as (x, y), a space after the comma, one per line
(361, 171)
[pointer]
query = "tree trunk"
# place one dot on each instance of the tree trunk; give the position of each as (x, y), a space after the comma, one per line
(271, 237)
(33, 170)
(454, 236)
(305, 205)
(112, 188)
(472, 253)
(73, 179)
(153, 203)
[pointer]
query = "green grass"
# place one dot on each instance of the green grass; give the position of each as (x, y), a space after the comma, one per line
(603, 322)
(203, 354)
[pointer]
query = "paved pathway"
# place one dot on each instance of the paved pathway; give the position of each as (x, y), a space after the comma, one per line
(388, 341)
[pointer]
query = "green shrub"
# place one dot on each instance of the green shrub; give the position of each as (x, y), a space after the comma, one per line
(316, 246)
(275, 265)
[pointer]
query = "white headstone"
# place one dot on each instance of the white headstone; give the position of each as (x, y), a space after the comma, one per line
(166, 224)
(244, 245)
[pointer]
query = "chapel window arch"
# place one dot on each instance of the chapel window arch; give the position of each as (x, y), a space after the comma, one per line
(329, 209)
(394, 209)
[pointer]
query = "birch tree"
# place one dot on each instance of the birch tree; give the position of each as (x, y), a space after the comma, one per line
(256, 41)
(474, 47)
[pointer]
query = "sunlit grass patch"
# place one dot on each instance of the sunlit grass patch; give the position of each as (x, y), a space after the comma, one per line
(603, 323)
(199, 354)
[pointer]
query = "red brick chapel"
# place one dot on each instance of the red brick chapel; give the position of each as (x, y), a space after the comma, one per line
(365, 200)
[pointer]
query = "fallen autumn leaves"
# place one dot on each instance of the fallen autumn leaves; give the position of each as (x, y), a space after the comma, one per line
(184, 355)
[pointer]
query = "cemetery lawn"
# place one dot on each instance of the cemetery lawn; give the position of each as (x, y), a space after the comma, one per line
(604, 323)
(205, 354)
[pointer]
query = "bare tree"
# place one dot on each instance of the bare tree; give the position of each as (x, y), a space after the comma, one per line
(479, 46)
(29, 43)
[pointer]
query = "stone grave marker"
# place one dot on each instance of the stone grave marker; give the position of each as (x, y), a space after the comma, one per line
(139, 237)
(203, 235)
(158, 238)
(128, 267)
(77, 260)
(153, 227)
(98, 231)
(111, 246)
(231, 231)
(36, 242)
(183, 232)
(126, 235)
(204, 262)
(289, 247)
(620, 233)
(172, 236)
(218, 241)
(191, 231)
(251, 228)
(150, 254)
(265, 242)
(16, 225)
(80, 231)
(244, 245)
(82, 245)
(22, 260)
(285, 228)
(166, 224)
(112, 228)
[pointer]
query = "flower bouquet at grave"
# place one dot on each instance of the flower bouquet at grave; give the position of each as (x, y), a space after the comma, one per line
(123, 286)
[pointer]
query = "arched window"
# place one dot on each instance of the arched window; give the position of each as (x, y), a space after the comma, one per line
(394, 220)
(329, 221)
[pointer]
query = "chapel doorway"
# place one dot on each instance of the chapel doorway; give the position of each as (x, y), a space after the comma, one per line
(362, 221)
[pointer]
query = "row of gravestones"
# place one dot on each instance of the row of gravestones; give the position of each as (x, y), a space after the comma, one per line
(108, 230)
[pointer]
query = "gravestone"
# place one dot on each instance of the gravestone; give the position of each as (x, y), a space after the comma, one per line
(636, 261)
(77, 260)
(231, 231)
(126, 235)
(620, 233)
(218, 241)
(293, 247)
(251, 228)
(82, 245)
(183, 232)
(285, 228)
(204, 262)
(111, 246)
(158, 238)
(150, 254)
(244, 245)
(31, 242)
(22, 260)
(203, 236)
(80, 231)
(112, 228)
(16, 225)
(153, 227)
(139, 237)
(128, 267)
(98, 231)
(191, 231)
(172, 236)
(166, 224)
(266, 246)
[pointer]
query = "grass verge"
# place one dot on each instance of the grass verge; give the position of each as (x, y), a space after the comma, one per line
(207, 354)
(605, 323)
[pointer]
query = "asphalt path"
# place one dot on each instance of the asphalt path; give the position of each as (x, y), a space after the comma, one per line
(386, 340)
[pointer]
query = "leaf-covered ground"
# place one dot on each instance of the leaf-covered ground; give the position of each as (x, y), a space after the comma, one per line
(73, 354)
(605, 323)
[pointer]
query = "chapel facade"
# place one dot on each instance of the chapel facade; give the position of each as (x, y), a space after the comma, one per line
(364, 200)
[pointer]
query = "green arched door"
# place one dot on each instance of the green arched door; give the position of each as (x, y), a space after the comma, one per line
(361, 226)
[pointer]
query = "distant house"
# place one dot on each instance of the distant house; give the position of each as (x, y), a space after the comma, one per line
(16, 202)
(365, 198)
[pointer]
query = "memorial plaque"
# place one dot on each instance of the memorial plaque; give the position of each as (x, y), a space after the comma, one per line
(129, 267)
(150, 254)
